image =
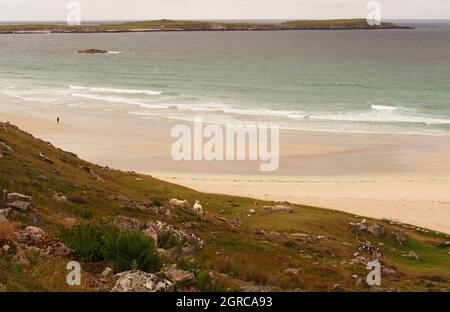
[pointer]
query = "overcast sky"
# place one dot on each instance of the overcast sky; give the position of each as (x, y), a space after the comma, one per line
(55, 10)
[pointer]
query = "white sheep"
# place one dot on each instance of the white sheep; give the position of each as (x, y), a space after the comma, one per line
(198, 209)
(176, 203)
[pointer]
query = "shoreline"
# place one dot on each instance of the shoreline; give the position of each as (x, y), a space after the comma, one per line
(404, 178)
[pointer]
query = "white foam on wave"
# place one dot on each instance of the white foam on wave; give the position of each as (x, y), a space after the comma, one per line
(118, 91)
(381, 118)
(384, 108)
(116, 99)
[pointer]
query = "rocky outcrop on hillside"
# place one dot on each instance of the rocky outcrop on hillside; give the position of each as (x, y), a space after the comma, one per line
(17, 239)
(155, 229)
(138, 281)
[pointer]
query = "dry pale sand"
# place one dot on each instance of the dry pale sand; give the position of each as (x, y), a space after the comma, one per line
(399, 177)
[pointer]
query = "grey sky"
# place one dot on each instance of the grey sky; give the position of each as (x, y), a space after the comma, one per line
(41, 10)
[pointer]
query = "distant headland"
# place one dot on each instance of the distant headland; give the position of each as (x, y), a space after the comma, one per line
(171, 25)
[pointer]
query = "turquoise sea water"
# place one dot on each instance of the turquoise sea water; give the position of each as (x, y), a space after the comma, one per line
(390, 81)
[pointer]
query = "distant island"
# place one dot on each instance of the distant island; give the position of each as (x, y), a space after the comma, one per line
(171, 25)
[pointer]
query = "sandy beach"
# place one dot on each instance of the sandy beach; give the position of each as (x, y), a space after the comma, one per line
(399, 177)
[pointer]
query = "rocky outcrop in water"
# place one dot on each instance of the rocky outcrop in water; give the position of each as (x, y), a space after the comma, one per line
(92, 51)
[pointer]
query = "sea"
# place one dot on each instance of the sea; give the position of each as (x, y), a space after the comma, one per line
(347, 81)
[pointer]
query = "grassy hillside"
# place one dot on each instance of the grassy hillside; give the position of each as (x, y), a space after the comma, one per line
(172, 25)
(241, 248)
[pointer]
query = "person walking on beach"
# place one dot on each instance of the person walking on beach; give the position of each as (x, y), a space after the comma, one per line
(57, 120)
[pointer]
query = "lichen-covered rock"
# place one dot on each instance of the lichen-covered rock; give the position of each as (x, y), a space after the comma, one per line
(282, 208)
(36, 238)
(156, 228)
(138, 281)
(363, 227)
(19, 205)
(15, 201)
(11, 197)
(376, 229)
(179, 277)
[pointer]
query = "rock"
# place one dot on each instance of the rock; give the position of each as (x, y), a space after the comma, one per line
(45, 158)
(336, 287)
(252, 211)
(179, 277)
(236, 223)
(59, 198)
(92, 51)
(19, 205)
(12, 197)
(363, 227)
(42, 177)
(376, 229)
(138, 281)
(283, 208)
(358, 227)
(60, 157)
(411, 255)
(107, 272)
(33, 233)
(56, 248)
(8, 213)
(172, 254)
(293, 271)
(257, 231)
(6, 146)
(156, 228)
(17, 201)
(35, 237)
(366, 247)
(147, 207)
(92, 173)
(191, 249)
(126, 223)
(119, 197)
(388, 271)
(34, 220)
